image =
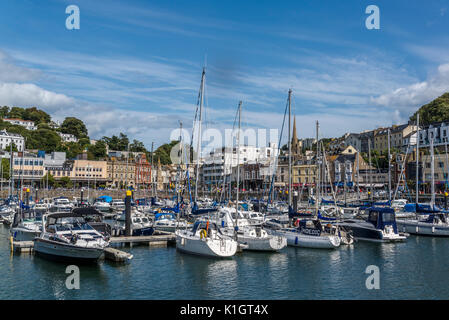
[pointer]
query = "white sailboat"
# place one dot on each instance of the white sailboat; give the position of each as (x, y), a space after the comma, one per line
(436, 222)
(308, 234)
(204, 238)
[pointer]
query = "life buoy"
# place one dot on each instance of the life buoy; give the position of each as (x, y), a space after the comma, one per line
(203, 234)
(297, 223)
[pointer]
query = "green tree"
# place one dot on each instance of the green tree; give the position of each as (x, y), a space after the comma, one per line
(51, 179)
(435, 111)
(4, 111)
(65, 182)
(97, 150)
(74, 126)
(137, 146)
(5, 169)
(16, 112)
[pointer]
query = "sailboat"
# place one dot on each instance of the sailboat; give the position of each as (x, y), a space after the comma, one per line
(307, 233)
(435, 222)
(233, 223)
(205, 238)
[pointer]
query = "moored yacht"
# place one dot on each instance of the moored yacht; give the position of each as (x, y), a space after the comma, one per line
(380, 226)
(206, 239)
(68, 236)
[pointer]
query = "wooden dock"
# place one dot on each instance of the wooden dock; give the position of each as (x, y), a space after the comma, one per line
(160, 238)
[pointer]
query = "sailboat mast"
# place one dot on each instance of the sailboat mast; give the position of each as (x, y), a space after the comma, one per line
(238, 168)
(358, 173)
(203, 78)
(371, 172)
(289, 149)
(389, 169)
(432, 170)
(318, 167)
(417, 160)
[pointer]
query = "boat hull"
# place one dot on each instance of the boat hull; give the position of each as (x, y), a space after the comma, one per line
(423, 229)
(66, 252)
(215, 248)
(271, 243)
(296, 239)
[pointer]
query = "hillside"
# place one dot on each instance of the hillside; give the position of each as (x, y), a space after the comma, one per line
(435, 111)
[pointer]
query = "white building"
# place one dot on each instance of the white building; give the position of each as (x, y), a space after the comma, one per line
(67, 137)
(6, 139)
(438, 132)
(219, 163)
(28, 124)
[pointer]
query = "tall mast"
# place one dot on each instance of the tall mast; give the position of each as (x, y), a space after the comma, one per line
(371, 171)
(358, 180)
(151, 169)
(318, 167)
(389, 169)
(238, 168)
(289, 149)
(417, 160)
(432, 171)
(203, 79)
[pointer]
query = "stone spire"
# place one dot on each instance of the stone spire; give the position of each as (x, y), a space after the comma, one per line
(295, 142)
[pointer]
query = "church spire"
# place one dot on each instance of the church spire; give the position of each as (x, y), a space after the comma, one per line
(295, 142)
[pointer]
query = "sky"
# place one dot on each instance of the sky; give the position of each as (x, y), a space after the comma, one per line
(135, 66)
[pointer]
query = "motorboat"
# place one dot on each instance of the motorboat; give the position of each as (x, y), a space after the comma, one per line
(428, 222)
(68, 236)
(61, 204)
(27, 229)
(166, 221)
(381, 226)
(102, 206)
(117, 205)
(205, 239)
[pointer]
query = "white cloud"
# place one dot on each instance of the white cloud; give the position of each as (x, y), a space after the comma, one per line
(407, 99)
(28, 94)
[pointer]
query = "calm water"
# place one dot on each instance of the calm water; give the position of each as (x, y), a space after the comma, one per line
(417, 269)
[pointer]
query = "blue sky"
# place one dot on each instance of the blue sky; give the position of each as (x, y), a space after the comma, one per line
(135, 66)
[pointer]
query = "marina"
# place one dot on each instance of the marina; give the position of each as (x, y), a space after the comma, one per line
(221, 153)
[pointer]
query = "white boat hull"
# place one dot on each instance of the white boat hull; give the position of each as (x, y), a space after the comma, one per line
(206, 247)
(422, 228)
(295, 239)
(271, 243)
(66, 251)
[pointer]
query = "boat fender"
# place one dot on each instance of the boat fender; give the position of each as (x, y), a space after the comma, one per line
(296, 240)
(297, 223)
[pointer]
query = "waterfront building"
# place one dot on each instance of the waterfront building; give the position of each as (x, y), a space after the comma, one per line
(397, 135)
(121, 173)
(6, 138)
(221, 161)
(27, 124)
(30, 167)
(89, 172)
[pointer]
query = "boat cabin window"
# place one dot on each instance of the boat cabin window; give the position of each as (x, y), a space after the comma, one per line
(388, 217)
(373, 215)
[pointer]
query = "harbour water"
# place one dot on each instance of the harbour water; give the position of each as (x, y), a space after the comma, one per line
(415, 269)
